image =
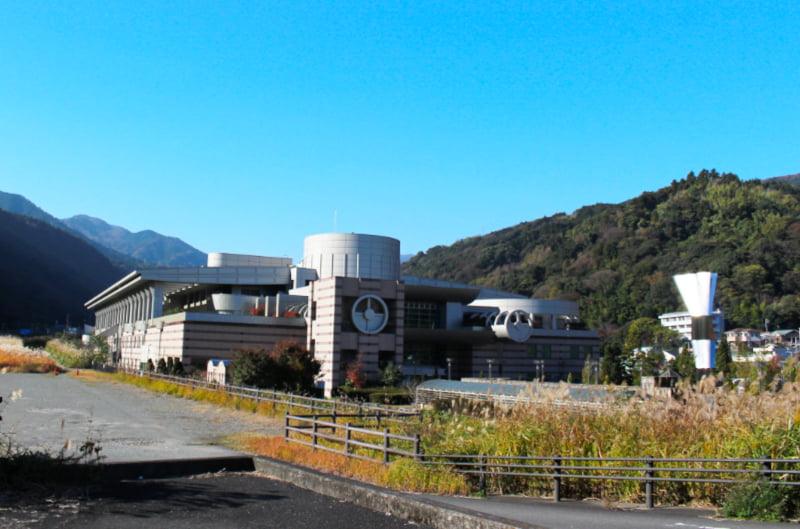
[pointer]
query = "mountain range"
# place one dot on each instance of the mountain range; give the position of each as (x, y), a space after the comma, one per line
(50, 267)
(145, 246)
(127, 249)
(46, 274)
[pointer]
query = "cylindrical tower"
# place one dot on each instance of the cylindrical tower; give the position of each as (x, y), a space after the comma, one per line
(352, 255)
(697, 291)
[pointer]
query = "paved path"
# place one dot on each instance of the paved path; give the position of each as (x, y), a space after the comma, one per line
(129, 423)
(592, 514)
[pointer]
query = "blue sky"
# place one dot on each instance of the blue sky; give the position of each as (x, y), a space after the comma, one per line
(245, 126)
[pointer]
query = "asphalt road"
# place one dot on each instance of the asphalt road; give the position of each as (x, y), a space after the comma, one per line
(595, 515)
(129, 423)
(204, 502)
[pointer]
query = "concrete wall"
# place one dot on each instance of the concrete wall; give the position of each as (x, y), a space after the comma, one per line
(332, 337)
(196, 342)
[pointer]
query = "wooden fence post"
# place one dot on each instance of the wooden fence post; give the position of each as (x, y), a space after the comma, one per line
(286, 427)
(386, 446)
(314, 433)
(347, 434)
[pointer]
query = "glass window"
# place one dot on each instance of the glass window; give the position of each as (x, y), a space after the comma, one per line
(423, 315)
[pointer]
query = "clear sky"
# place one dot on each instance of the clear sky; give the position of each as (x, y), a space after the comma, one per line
(244, 126)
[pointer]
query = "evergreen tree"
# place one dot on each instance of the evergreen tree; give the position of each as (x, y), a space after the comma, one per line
(391, 375)
(723, 360)
(612, 368)
(685, 364)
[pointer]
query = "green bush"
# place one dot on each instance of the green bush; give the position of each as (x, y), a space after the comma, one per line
(761, 501)
(288, 367)
(391, 375)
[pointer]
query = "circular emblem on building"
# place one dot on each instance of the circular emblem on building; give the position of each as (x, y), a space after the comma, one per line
(370, 314)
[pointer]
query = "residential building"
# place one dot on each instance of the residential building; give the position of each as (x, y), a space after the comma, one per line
(682, 322)
(744, 339)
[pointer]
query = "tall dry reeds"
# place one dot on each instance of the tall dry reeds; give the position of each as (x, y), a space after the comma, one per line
(708, 420)
(16, 358)
(71, 353)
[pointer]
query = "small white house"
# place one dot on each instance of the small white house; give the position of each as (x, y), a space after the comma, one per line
(217, 371)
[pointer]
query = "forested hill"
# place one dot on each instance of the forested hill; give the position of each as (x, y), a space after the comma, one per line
(617, 260)
(46, 274)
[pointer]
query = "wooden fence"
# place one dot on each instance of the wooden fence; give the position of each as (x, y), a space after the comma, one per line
(327, 433)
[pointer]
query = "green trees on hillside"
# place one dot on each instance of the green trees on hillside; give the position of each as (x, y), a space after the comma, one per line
(618, 260)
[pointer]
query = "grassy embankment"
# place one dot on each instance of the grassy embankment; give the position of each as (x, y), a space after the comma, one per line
(44, 354)
(71, 353)
(16, 358)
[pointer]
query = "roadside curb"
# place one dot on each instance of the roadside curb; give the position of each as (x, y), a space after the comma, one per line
(402, 505)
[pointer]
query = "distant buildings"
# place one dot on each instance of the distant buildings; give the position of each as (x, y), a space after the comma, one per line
(681, 322)
(346, 302)
(746, 344)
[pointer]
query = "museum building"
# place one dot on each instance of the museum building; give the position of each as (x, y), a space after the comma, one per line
(346, 301)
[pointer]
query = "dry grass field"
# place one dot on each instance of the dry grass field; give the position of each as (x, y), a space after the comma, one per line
(17, 358)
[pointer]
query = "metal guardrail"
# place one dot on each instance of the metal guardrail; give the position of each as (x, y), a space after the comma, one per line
(312, 404)
(349, 440)
(649, 470)
(327, 433)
